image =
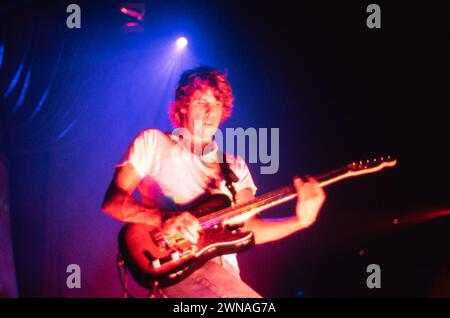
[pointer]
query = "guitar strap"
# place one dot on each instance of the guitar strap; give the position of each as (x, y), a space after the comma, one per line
(228, 175)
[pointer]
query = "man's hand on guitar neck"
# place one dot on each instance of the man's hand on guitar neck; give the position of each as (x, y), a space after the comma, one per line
(310, 199)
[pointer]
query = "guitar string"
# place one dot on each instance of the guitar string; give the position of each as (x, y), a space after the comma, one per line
(223, 213)
(231, 211)
(288, 190)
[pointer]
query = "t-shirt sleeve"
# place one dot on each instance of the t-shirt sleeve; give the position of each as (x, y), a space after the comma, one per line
(244, 175)
(140, 153)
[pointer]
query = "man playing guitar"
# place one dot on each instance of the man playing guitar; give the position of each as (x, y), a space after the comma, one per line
(170, 171)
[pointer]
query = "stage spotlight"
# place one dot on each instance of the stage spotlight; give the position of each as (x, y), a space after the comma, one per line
(182, 42)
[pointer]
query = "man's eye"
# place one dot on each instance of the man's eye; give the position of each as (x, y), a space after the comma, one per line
(204, 103)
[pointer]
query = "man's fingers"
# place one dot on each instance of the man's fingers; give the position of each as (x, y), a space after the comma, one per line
(191, 222)
(309, 189)
(188, 235)
(313, 180)
(186, 224)
(192, 230)
(298, 182)
(190, 225)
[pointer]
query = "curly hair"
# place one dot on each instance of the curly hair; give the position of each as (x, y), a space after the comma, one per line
(201, 78)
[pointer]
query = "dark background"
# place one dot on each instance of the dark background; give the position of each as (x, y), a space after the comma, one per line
(72, 100)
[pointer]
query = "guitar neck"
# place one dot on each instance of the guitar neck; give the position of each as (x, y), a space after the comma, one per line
(257, 205)
(267, 200)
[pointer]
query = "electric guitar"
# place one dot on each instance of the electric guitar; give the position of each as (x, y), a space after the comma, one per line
(165, 259)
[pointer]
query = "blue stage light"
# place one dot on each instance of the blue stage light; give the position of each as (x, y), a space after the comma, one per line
(182, 42)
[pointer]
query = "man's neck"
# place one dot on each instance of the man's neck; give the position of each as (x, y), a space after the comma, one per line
(201, 147)
(197, 145)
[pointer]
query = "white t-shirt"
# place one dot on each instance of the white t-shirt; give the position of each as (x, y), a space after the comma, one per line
(172, 176)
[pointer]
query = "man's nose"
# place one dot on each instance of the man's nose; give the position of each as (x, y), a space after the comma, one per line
(209, 109)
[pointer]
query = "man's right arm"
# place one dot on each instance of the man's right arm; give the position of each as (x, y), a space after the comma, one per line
(120, 203)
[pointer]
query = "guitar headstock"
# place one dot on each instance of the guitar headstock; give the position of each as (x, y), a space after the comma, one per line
(371, 165)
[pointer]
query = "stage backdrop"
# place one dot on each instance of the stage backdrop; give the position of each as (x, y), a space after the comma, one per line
(73, 99)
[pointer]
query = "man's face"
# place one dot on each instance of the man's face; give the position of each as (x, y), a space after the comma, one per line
(203, 114)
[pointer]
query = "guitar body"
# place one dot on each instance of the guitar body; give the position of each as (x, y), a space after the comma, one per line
(151, 258)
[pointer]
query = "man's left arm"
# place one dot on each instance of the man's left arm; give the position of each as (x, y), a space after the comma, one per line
(310, 198)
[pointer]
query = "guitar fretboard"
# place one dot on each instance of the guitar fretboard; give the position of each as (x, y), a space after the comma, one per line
(284, 194)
